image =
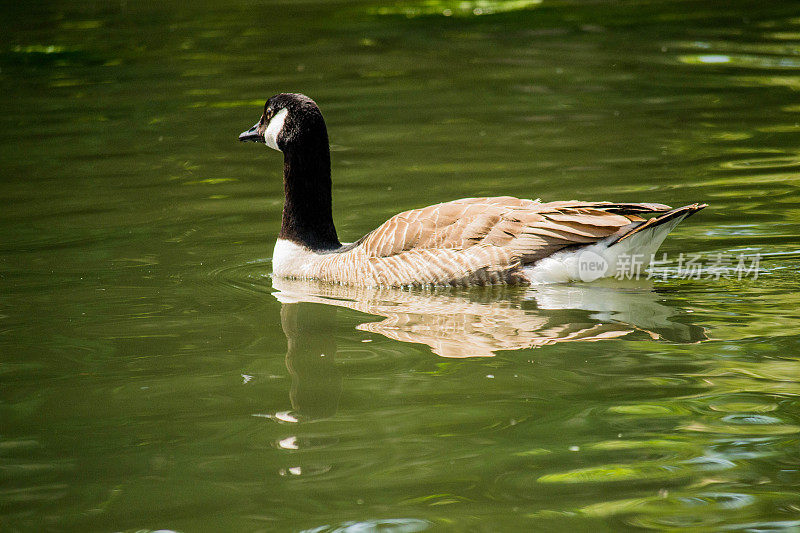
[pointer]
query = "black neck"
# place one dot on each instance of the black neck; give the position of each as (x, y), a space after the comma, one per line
(307, 209)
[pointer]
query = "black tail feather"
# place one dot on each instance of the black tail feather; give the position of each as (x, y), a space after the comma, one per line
(636, 227)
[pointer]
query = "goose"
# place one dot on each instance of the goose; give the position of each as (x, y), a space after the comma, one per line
(470, 241)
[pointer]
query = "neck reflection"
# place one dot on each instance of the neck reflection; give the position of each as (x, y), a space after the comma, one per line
(310, 358)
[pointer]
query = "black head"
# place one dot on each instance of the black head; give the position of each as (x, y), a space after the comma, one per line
(289, 120)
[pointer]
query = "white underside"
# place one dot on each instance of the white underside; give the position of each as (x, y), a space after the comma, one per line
(567, 266)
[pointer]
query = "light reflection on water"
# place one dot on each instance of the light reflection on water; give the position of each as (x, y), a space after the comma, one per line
(153, 378)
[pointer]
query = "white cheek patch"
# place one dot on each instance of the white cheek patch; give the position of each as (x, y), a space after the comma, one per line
(274, 128)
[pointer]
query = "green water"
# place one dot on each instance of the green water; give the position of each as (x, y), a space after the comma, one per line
(152, 377)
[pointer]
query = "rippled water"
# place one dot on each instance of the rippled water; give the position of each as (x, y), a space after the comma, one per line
(153, 376)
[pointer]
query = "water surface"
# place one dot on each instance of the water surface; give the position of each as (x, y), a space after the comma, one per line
(153, 376)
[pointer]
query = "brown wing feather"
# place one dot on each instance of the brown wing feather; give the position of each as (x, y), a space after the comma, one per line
(525, 229)
(472, 241)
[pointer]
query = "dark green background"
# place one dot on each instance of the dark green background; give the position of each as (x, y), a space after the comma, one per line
(144, 378)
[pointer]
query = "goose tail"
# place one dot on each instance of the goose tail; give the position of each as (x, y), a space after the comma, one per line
(627, 252)
(655, 229)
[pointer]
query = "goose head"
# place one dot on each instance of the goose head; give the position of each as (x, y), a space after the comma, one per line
(292, 123)
(289, 121)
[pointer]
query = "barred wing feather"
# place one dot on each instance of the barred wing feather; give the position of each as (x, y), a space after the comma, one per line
(475, 240)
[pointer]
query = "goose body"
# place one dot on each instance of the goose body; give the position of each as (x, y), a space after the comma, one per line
(471, 241)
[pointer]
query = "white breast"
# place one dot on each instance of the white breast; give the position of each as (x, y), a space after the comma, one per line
(289, 259)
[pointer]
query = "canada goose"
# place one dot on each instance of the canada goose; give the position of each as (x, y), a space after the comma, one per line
(472, 241)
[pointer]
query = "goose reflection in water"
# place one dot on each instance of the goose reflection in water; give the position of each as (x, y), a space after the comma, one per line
(310, 358)
(460, 324)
